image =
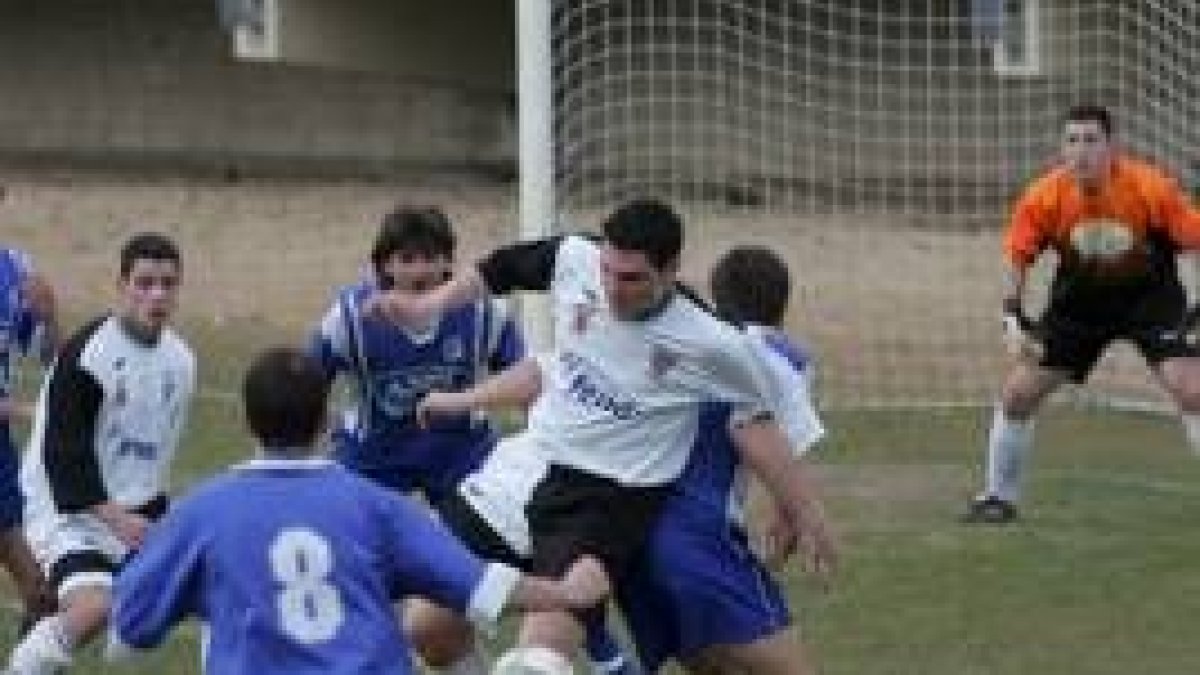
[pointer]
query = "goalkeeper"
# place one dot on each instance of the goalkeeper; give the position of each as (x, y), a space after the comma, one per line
(1116, 224)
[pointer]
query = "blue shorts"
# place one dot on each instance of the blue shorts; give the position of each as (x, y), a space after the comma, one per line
(696, 585)
(12, 502)
(432, 470)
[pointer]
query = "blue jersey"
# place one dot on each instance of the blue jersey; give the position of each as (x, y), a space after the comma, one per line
(392, 368)
(713, 484)
(696, 582)
(17, 321)
(294, 566)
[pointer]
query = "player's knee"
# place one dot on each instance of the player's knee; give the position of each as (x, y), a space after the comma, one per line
(1019, 402)
(439, 638)
(1184, 385)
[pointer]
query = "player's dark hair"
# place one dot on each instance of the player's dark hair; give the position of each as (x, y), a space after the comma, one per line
(647, 226)
(751, 284)
(286, 396)
(148, 246)
(413, 229)
(1090, 112)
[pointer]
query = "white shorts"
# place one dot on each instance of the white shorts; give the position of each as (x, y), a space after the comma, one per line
(500, 490)
(75, 550)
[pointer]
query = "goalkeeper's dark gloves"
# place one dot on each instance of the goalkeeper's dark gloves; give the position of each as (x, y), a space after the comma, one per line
(1020, 332)
(1188, 329)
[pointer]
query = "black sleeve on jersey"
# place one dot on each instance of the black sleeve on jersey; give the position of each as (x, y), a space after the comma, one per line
(523, 266)
(72, 406)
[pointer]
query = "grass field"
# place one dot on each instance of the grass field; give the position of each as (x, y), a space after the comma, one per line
(1098, 579)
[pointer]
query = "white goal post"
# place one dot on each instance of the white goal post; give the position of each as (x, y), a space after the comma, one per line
(876, 144)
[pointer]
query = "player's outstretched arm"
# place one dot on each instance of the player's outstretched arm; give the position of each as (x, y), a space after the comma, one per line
(524, 266)
(514, 387)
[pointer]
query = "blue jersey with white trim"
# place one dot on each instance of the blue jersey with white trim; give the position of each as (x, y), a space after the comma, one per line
(714, 482)
(17, 322)
(392, 368)
(294, 566)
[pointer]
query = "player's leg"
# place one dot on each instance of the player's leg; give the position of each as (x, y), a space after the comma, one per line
(698, 594)
(445, 640)
(1011, 434)
(1174, 357)
(781, 653)
(15, 554)
(1069, 352)
(83, 581)
(1180, 377)
(571, 513)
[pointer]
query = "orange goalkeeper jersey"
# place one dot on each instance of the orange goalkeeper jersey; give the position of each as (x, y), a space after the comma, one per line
(1104, 235)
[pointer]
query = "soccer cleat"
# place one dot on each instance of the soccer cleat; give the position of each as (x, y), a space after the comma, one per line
(991, 510)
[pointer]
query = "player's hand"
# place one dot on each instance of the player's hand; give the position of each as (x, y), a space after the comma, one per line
(128, 527)
(816, 542)
(778, 540)
(440, 404)
(41, 299)
(586, 583)
(1019, 338)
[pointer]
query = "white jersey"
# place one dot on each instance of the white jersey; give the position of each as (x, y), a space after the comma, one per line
(621, 398)
(108, 421)
(713, 481)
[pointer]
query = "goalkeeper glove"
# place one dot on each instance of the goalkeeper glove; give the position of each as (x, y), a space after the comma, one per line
(1188, 325)
(1019, 331)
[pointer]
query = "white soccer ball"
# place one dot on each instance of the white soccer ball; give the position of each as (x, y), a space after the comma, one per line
(532, 661)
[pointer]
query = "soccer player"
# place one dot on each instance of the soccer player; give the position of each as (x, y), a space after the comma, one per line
(293, 562)
(697, 592)
(107, 425)
(621, 395)
(28, 325)
(1116, 224)
(393, 366)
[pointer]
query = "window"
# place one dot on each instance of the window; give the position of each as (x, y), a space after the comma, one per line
(256, 29)
(1016, 48)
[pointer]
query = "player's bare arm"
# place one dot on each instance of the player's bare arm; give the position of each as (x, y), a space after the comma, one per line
(128, 526)
(514, 387)
(764, 448)
(585, 584)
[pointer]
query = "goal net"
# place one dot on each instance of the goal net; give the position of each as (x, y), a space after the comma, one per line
(876, 144)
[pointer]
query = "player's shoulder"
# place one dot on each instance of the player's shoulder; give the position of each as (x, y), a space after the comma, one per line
(577, 250)
(1048, 186)
(19, 262)
(782, 347)
(177, 349)
(1144, 174)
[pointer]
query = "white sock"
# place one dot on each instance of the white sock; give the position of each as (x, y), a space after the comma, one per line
(1008, 444)
(470, 664)
(1191, 428)
(44, 650)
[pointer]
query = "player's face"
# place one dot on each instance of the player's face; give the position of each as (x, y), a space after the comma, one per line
(1086, 150)
(150, 292)
(632, 284)
(415, 272)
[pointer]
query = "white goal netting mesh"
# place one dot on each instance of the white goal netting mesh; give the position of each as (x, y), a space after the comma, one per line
(876, 144)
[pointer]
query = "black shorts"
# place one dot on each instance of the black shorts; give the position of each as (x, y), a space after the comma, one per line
(572, 513)
(1077, 327)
